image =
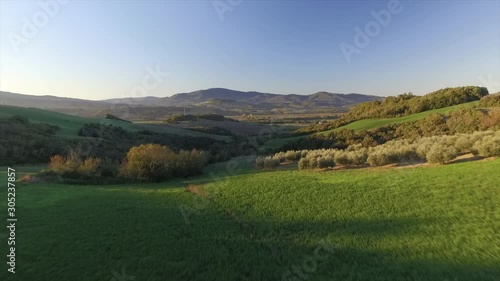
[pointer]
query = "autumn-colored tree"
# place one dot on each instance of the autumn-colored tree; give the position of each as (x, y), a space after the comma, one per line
(149, 162)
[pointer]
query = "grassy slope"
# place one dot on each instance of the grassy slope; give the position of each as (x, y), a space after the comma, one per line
(427, 223)
(374, 123)
(70, 124)
(367, 124)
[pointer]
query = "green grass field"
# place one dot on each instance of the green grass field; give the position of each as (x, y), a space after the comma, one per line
(424, 223)
(70, 124)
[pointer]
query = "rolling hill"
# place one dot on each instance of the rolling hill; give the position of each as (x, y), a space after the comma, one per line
(70, 125)
(266, 100)
(367, 124)
(215, 100)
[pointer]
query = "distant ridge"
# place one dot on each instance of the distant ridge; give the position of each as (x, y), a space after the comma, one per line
(214, 100)
(320, 99)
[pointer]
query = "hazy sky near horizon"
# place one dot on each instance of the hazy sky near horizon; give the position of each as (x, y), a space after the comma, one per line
(103, 49)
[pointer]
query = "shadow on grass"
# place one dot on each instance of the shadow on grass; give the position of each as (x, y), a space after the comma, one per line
(89, 234)
(466, 158)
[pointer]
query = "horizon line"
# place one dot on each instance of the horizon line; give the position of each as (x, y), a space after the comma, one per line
(221, 88)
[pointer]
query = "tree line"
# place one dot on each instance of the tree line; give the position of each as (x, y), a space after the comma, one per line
(433, 149)
(403, 105)
(146, 162)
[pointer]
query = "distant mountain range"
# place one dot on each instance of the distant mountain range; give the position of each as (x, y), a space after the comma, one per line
(256, 99)
(215, 100)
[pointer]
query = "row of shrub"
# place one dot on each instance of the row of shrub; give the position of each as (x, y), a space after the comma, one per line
(329, 158)
(266, 162)
(73, 166)
(435, 149)
(147, 162)
(317, 162)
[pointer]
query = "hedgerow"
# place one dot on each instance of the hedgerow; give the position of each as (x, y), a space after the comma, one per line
(488, 146)
(268, 162)
(441, 153)
(434, 149)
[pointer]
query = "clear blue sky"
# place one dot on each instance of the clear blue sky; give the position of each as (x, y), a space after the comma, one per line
(101, 49)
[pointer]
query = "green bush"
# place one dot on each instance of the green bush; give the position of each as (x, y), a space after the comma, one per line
(441, 153)
(354, 147)
(72, 166)
(342, 158)
(149, 162)
(325, 162)
(313, 162)
(215, 117)
(490, 100)
(280, 156)
(292, 155)
(358, 157)
(90, 168)
(73, 161)
(57, 164)
(271, 163)
(378, 158)
(189, 163)
(389, 153)
(489, 145)
(153, 162)
(424, 145)
(66, 166)
(303, 164)
(303, 153)
(259, 162)
(464, 143)
(354, 155)
(406, 151)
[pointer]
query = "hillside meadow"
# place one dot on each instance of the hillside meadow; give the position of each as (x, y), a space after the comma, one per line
(379, 122)
(368, 124)
(69, 125)
(424, 223)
